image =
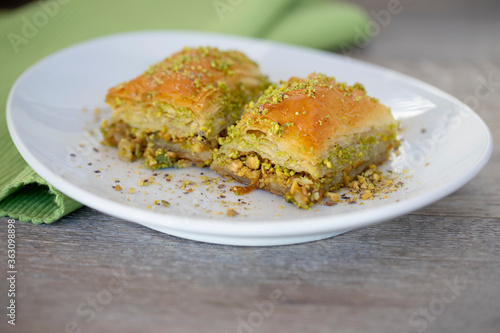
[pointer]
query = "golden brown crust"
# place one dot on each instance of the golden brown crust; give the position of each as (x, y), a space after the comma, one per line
(315, 120)
(305, 137)
(188, 78)
(185, 101)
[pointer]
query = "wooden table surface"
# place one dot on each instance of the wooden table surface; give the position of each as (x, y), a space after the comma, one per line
(434, 270)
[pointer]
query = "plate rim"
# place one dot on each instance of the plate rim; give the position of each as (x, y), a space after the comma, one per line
(252, 227)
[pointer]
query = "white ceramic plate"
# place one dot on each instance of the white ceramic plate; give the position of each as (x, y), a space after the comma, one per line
(51, 118)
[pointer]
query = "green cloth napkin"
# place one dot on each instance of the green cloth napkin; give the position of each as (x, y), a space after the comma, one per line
(43, 27)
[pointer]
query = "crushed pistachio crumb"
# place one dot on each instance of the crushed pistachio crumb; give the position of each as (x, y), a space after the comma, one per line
(333, 197)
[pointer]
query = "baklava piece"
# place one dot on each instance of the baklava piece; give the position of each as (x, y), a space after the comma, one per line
(307, 137)
(175, 112)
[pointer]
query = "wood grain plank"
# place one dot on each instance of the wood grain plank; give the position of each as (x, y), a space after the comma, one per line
(371, 279)
(375, 279)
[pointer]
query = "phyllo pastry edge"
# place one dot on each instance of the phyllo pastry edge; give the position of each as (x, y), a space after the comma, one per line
(175, 112)
(306, 137)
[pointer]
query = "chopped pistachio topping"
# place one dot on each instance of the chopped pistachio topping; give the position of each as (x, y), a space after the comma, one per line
(189, 61)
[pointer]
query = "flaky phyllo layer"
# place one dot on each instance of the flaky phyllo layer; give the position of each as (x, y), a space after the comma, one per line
(176, 111)
(305, 137)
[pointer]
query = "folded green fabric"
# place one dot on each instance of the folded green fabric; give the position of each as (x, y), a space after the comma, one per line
(43, 27)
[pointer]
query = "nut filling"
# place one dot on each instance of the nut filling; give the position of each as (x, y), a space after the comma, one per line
(158, 149)
(254, 170)
(300, 188)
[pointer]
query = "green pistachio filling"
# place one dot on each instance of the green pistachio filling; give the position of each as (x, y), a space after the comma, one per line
(304, 188)
(154, 119)
(135, 144)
